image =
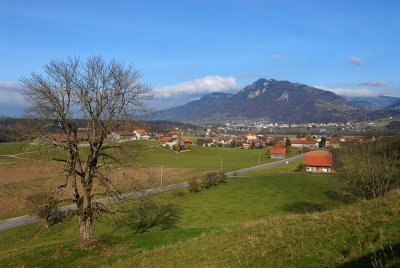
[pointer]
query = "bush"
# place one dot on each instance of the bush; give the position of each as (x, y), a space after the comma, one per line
(371, 169)
(300, 167)
(210, 180)
(200, 142)
(194, 185)
(44, 205)
(222, 177)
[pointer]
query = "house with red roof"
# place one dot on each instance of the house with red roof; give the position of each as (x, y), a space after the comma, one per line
(278, 151)
(186, 140)
(318, 161)
(164, 140)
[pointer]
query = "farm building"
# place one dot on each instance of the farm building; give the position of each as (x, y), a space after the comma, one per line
(278, 151)
(303, 143)
(318, 161)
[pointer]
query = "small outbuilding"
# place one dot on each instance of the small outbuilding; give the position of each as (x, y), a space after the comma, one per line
(278, 152)
(318, 161)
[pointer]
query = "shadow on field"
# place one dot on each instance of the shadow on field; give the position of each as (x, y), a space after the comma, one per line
(340, 196)
(388, 256)
(147, 214)
(163, 217)
(301, 207)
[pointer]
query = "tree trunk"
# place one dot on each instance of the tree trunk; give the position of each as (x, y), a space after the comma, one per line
(85, 220)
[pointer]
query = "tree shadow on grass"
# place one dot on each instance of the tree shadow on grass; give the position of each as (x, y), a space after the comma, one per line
(388, 256)
(147, 213)
(340, 196)
(160, 216)
(301, 207)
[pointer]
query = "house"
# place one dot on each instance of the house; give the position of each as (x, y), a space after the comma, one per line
(173, 142)
(279, 139)
(246, 145)
(333, 143)
(278, 151)
(222, 140)
(164, 140)
(121, 136)
(186, 140)
(318, 161)
(251, 136)
(208, 143)
(141, 134)
(303, 143)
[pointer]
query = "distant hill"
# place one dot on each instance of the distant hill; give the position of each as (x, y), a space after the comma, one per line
(279, 101)
(376, 102)
(395, 105)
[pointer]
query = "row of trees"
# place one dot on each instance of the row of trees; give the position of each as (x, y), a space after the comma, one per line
(211, 179)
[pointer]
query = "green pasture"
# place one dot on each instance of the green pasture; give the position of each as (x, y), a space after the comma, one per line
(262, 194)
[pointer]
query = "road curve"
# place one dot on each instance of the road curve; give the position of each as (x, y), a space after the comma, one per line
(28, 219)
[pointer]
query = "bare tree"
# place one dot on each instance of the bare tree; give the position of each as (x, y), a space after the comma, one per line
(372, 169)
(101, 94)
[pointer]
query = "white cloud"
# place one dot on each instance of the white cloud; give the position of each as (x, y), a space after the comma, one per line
(372, 83)
(356, 61)
(10, 92)
(354, 92)
(278, 57)
(199, 86)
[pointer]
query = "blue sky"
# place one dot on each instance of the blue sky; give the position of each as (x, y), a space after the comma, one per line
(186, 49)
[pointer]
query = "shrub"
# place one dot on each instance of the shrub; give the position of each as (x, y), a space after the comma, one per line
(300, 167)
(222, 177)
(44, 205)
(194, 185)
(371, 169)
(211, 179)
(200, 142)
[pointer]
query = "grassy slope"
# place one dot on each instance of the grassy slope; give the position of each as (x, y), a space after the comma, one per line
(352, 236)
(276, 191)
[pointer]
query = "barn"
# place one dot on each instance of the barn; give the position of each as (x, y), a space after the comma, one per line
(278, 152)
(318, 161)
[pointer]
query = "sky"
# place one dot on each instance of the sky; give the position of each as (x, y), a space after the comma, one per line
(187, 49)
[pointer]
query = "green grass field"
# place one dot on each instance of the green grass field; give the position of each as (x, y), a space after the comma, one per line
(362, 235)
(209, 158)
(274, 192)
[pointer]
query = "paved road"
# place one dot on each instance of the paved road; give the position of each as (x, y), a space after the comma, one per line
(28, 219)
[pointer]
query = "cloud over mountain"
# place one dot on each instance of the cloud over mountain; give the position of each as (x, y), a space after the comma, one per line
(372, 83)
(354, 92)
(10, 92)
(199, 86)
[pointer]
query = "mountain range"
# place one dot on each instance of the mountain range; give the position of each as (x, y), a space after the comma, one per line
(277, 101)
(375, 102)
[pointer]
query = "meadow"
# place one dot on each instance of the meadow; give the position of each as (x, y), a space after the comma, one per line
(27, 168)
(273, 192)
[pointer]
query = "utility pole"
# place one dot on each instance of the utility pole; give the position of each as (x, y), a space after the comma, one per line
(161, 176)
(259, 158)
